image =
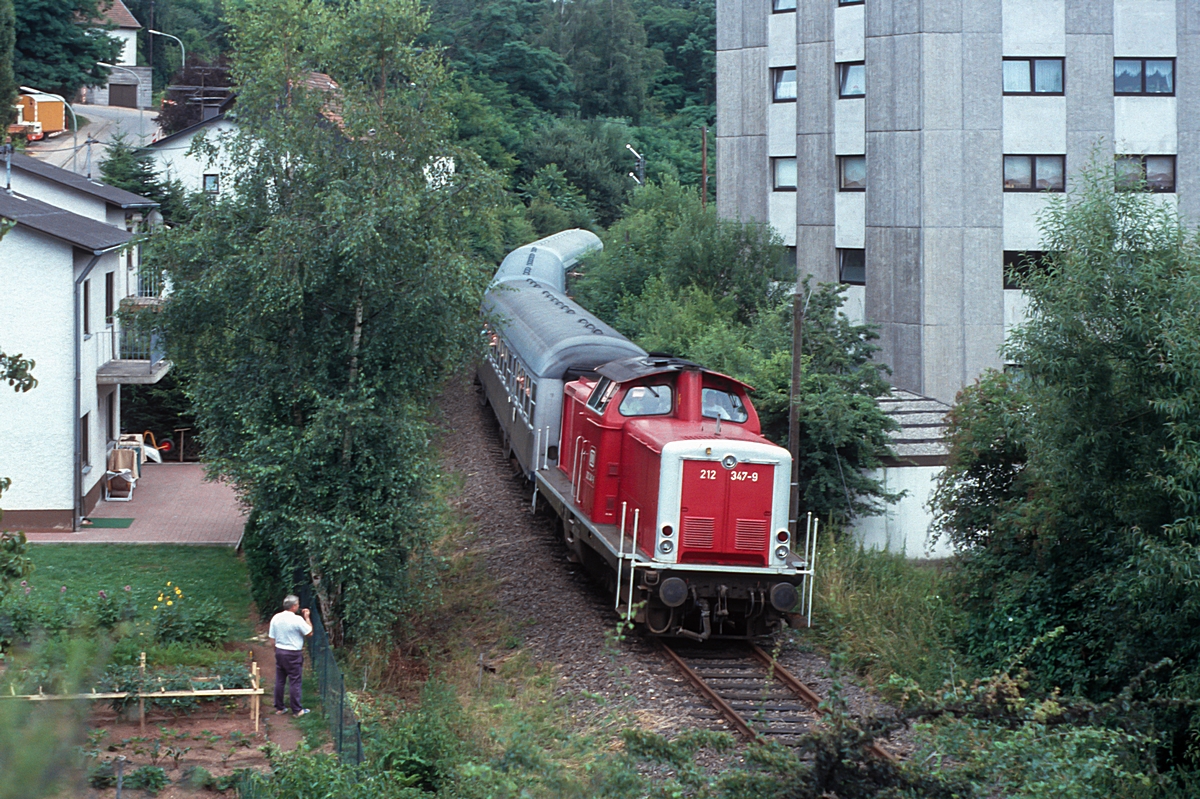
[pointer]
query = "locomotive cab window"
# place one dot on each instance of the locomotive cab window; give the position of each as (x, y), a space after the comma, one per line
(718, 404)
(601, 395)
(647, 401)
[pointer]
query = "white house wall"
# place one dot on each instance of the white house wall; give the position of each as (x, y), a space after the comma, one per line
(36, 426)
(65, 197)
(175, 160)
(128, 40)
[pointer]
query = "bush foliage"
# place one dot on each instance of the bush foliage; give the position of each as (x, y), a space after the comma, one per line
(1072, 486)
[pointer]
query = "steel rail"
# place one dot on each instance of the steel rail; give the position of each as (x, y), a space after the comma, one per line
(723, 707)
(806, 693)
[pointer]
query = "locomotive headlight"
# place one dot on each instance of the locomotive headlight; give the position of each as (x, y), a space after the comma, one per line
(666, 547)
(781, 552)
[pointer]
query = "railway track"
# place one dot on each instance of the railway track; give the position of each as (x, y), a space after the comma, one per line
(759, 698)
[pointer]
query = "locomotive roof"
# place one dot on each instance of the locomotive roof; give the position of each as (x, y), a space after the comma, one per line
(550, 332)
(645, 365)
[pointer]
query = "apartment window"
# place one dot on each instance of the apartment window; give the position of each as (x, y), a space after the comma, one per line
(1144, 76)
(1033, 76)
(850, 2)
(785, 269)
(1153, 172)
(852, 266)
(779, 6)
(1018, 264)
(852, 173)
(783, 172)
(109, 296)
(783, 85)
(852, 79)
(212, 184)
(85, 440)
(1034, 173)
(87, 307)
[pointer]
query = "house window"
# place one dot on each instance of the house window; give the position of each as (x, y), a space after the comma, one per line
(779, 6)
(783, 171)
(109, 299)
(85, 440)
(852, 79)
(852, 266)
(1034, 173)
(87, 303)
(1018, 264)
(212, 184)
(783, 82)
(1144, 76)
(1033, 76)
(1153, 172)
(852, 173)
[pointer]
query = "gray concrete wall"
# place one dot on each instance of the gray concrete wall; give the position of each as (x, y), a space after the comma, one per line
(743, 94)
(1187, 74)
(816, 165)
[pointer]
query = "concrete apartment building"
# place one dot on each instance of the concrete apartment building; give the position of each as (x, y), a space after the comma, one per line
(906, 147)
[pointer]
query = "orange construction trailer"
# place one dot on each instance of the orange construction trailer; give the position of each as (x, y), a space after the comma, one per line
(45, 109)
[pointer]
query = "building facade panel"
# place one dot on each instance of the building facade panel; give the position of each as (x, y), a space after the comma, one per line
(1144, 28)
(1034, 27)
(1145, 125)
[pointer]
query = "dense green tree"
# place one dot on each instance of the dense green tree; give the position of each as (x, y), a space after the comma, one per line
(8, 81)
(555, 203)
(133, 170)
(604, 44)
(676, 279)
(318, 303)
(685, 32)
(58, 43)
(199, 23)
(1075, 489)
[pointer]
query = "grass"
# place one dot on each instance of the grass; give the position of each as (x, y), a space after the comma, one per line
(214, 572)
(886, 614)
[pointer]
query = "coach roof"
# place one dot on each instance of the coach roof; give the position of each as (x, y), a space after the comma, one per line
(551, 333)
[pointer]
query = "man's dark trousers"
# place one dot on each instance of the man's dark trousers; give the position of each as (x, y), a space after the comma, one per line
(289, 665)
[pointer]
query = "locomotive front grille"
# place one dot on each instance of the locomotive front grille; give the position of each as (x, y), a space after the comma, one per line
(750, 535)
(698, 532)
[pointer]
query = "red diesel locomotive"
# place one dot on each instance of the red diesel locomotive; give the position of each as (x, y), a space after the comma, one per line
(655, 467)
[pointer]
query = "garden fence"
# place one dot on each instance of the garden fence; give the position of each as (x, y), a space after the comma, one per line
(344, 725)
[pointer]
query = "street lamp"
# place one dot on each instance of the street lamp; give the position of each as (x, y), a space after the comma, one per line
(74, 121)
(182, 49)
(142, 114)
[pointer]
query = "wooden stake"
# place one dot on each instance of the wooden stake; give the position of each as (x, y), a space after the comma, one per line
(254, 698)
(703, 166)
(141, 690)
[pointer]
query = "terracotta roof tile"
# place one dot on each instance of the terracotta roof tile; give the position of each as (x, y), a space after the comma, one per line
(118, 14)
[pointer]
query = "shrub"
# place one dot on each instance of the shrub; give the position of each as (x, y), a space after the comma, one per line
(149, 778)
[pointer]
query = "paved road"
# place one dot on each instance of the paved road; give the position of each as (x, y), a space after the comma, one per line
(104, 123)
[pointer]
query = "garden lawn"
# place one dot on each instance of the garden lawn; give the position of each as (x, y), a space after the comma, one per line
(214, 572)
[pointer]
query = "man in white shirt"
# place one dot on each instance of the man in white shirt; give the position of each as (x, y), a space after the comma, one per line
(288, 631)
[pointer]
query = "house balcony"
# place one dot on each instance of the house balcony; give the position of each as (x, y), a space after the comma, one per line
(138, 359)
(151, 291)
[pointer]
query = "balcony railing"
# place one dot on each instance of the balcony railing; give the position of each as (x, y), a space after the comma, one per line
(140, 346)
(150, 283)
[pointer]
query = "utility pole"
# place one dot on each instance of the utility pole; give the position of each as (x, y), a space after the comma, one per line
(703, 166)
(799, 309)
(150, 48)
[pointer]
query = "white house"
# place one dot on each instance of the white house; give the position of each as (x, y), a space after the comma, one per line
(174, 158)
(66, 266)
(123, 89)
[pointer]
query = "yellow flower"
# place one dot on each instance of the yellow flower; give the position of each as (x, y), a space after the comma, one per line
(169, 602)
(178, 592)
(168, 582)
(155, 607)
(160, 597)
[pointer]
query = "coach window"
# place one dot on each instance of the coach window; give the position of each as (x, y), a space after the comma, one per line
(601, 395)
(717, 404)
(647, 401)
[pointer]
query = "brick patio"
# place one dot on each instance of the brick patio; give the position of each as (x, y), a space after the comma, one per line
(172, 504)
